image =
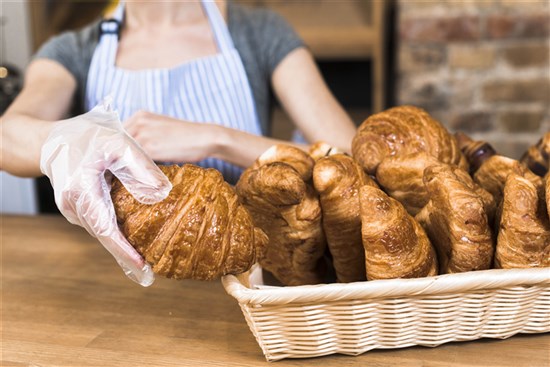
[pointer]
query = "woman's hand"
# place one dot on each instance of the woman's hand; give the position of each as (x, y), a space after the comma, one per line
(76, 157)
(166, 139)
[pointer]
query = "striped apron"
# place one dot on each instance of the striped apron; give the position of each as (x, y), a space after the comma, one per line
(213, 89)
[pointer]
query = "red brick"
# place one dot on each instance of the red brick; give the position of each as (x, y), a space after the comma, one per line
(462, 89)
(527, 55)
(502, 26)
(431, 7)
(473, 121)
(439, 30)
(421, 57)
(517, 91)
(521, 121)
(471, 56)
(430, 94)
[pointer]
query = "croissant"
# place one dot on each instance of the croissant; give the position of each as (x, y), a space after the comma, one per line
(294, 157)
(321, 149)
(537, 157)
(401, 131)
(337, 178)
(524, 232)
(200, 231)
(395, 244)
(476, 152)
(493, 173)
(276, 191)
(547, 191)
(489, 169)
(402, 178)
(456, 219)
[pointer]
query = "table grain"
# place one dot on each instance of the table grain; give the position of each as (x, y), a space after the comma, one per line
(65, 302)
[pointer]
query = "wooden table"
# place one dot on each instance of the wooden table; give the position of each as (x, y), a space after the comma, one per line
(65, 302)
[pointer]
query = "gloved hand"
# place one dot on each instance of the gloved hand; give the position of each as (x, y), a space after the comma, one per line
(76, 157)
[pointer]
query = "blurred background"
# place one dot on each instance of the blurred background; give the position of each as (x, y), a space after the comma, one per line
(478, 66)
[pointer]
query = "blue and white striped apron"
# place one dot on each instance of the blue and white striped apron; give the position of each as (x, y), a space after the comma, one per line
(213, 89)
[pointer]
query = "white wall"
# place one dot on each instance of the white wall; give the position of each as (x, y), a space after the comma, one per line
(16, 32)
(18, 194)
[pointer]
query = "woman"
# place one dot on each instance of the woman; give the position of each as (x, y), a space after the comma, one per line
(190, 81)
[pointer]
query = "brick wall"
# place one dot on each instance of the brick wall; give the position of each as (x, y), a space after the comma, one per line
(481, 67)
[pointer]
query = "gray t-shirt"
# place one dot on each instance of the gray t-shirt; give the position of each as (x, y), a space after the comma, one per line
(262, 37)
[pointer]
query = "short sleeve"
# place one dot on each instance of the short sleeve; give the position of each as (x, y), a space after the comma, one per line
(276, 38)
(63, 49)
(74, 51)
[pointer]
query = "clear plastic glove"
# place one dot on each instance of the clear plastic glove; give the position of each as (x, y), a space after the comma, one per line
(76, 156)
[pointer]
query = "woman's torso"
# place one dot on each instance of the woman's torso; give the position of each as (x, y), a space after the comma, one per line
(261, 37)
(199, 79)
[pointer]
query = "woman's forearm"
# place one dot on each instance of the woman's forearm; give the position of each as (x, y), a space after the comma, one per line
(45, 98)
(22, 139)
(242, 148)
(299, 86)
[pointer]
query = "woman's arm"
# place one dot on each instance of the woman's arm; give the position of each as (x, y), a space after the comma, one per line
(167, 139)
(46, 97)
(94, 141)
(303, 93)
(306, 98)
(300, 88)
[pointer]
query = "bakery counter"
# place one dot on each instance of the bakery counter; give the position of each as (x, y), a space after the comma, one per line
(65, 302)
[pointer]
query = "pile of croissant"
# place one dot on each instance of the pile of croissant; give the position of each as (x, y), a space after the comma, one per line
(413, 200)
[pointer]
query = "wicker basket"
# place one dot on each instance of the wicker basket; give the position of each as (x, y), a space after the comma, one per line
(310, 321)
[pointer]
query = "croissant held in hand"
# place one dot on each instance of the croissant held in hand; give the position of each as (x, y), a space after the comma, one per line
(200, 231)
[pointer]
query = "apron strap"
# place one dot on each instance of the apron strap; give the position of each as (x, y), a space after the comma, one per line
(109, 34)
(109, 31)
(119, 12)
(219, 27)
(109, 27)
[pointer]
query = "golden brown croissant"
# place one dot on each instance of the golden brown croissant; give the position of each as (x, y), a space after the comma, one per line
(400, 131)
(489, 169)
(537, 157)
(200, 231)
(456, 219)
(337, 179)
(287, 208)
(476, 152)
(294, 157)
(396, 246)
(524, 234)
(321, 149)
(547, 192)
(493, 173)
(402, 178)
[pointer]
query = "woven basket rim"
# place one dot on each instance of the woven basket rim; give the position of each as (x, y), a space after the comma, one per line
(335, 292)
